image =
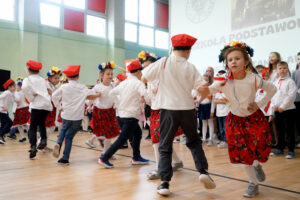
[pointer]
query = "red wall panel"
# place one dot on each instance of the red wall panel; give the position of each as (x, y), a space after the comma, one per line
(74, 20)
(97, 5)
(162, 15)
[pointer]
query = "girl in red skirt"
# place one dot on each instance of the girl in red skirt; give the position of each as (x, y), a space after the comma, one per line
(104, 121)
(53, 80)
(22, 113)
(152, 87)
(247, 130)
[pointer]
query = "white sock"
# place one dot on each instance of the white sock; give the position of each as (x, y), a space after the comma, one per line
(107, 143)
(21, 131)
(85, 123)
(50, 130)
(91, 140)
(255, 163)
(249, 169)
(175, 157)
(204, 129)
(211, 128)
(156, 154)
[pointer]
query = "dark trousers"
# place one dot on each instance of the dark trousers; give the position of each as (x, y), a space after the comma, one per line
(297, 118)
(285, 125)
(6, 123)
(129, 128)
(170, 120)
(221, 125)
(272, 131)
(37, 119)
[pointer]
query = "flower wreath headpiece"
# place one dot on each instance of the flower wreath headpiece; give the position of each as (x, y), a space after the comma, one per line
(235, 44)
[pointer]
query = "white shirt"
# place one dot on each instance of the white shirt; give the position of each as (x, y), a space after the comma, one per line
(20, 99)
(73, 96)
(128, 101)
(273, 76)
(176, 82)
(241, 93)
(286, 93)
(104, 101)
(152, 87)
(222, 109)
(6, 99)
(36, 85)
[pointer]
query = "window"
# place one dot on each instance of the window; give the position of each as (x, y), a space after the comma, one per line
(130, 32)
(82, 16)
(7, 10)
(161, 39)
(146, 16)
(146, 36)
(141, 17)
(131, 10)
(96, 26)
(75, 3)
(50, 15)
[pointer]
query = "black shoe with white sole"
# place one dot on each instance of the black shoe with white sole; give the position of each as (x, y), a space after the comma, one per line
(163, 189)
(22, 140)
(2, 140)
(42, 144)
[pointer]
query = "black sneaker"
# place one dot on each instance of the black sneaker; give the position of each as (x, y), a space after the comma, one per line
(22, 140)
(2, 141)
(32, 152)
(163, 189)
(148, 137)
(63, 162)
(42, 144)
(101, 143)
(12, 137)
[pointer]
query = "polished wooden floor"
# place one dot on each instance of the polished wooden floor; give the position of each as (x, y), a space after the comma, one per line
(84, 179)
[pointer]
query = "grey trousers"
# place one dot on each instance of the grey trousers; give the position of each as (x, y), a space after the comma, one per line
(170, 120)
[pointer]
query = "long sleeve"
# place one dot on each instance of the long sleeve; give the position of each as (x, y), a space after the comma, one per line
(291, 95)
(113, 94)
(56, 97)
(143, 92)
(3, 95)
(270, 90)
(152, 72)
(28, 90)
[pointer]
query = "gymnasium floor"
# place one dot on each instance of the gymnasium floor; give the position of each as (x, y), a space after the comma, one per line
(84, 179)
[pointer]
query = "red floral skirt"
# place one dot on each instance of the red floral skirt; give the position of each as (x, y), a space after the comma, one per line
(249, 138)
(22, 116)
(104, 123)
(154, 126)
(59, 119)
(50, 120)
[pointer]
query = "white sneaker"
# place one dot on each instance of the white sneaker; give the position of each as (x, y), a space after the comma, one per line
(153, 175)
(207, 181)
(210, 143)
(222, 145)
(90, 144)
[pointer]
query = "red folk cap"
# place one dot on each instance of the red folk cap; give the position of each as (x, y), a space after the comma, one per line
(34, 65)
(134, 65)
(72, 70)
(183, 40)
(121, 77)
(8, 83)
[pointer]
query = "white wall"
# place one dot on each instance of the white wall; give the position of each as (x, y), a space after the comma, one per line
(210, 21)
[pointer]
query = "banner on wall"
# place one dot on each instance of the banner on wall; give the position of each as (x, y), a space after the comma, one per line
(266, 25)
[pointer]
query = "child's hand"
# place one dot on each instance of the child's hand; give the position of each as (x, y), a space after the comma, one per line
(49, 92)
(280, 110)
(211, 115)
(204, 91)
(35, 94)
(275, 108)
(252, 107)
(4, 108)
(142, 99)
(270, 118)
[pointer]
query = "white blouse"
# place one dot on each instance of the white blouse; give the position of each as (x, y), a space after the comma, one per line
(6, 99)
(20, 99)
(241, 93)
(104, 101)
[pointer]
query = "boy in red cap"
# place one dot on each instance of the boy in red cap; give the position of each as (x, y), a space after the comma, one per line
(36, 91)
(6, 99)
(72, 96)
(177, 78)
(130, 93)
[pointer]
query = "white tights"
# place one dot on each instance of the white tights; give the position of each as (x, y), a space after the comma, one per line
(249, 169)
(210, 123)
